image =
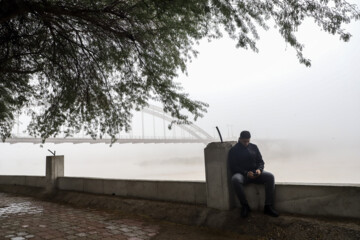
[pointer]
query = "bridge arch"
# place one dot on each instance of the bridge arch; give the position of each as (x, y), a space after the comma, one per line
(194, 130)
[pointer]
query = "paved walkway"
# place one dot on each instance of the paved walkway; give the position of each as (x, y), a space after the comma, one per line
(29, 218)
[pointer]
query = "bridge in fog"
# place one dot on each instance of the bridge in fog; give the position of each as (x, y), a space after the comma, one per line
(14, 140)
(178, 134)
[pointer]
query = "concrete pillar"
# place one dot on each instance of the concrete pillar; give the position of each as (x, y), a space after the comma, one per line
(54, 169)
(218, 188)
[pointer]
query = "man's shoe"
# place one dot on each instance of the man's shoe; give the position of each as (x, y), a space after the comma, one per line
(245, 210)
(269, 210)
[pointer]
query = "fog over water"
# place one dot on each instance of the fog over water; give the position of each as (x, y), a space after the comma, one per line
(289, 161)
(305, 121)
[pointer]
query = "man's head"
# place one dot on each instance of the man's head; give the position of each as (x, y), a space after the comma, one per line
(245, 138)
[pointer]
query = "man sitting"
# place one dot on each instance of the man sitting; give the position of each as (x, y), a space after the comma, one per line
(247, 166)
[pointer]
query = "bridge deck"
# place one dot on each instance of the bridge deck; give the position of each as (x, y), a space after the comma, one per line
(105, 140)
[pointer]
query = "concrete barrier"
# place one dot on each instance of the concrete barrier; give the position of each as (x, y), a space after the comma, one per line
(35, 181)
(71, 184)
(217, 176)
(319, 199)
(175, 191)
(115, 187)
(32, 181)
(54, 169)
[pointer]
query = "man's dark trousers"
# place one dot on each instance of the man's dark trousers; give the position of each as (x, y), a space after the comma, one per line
(238, 181)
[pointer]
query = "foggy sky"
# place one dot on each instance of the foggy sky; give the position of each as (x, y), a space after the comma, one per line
(272, 94)
(313, 112)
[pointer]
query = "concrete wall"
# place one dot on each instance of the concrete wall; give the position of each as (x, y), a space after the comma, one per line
(319, 199)
(296, 198)
(176, 191)
(32, 181)
(341, 200)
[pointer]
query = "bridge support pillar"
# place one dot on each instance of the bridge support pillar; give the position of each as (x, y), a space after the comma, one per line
(218, 189)
(54, 169)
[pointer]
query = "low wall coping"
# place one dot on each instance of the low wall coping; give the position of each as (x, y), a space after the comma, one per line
(136, 180)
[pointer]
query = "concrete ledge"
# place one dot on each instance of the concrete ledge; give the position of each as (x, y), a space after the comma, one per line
(71, 183)
(295, 198)
(341, 200)
(33, 181)
(115, 187)
(12, 180)
(256, 196)
(169, 192)
(142, 189)
(175, 191)
(321, 200)
(200, 192)
(93, 185)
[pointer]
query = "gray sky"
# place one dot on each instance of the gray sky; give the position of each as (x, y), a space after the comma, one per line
(272, 94)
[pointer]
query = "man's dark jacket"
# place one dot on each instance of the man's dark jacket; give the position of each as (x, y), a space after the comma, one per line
(243, 159)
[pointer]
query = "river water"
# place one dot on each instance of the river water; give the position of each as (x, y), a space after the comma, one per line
(290, 161)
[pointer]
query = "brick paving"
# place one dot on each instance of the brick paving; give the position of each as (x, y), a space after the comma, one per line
(27, 218)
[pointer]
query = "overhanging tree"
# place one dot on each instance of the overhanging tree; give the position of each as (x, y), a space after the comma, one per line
(85, 64)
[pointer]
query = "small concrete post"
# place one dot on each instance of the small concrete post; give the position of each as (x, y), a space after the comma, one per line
(54, 169)
(218, 188)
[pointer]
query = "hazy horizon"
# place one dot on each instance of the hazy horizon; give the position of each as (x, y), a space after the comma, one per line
(290, 161)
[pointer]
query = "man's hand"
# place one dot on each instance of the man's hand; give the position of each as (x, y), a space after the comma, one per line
(251, 175)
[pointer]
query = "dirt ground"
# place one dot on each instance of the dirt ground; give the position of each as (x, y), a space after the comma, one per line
(183, 232)
(259, 227)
